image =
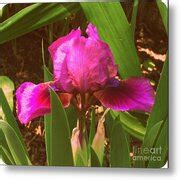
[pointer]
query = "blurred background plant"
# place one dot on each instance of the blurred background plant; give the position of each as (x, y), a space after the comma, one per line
(138, 32)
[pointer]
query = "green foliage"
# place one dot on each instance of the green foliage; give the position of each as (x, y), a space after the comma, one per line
(33, 17)
(159, 112)
(119, 154)
(131, 124)
(121, 127)
(59, 133)
(8, 87)
(163, 9)
(10, 130)
(94, 159)
(15, 145)
(115, 30)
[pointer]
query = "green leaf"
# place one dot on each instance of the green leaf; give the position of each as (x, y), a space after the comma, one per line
(153, 133)
(109, 123)
(160, 110)
(134, 16)
(130, 124)
(162, 145)
(6, 156)
(72, 117)
(15, 144)
(33, 17)
(5, 151)
(60, 145)
(79, 161)
(94, 159)
(8, 87)
(119, 152)
(10, 119)
(115, 30)
(163, 9)
(47, 118)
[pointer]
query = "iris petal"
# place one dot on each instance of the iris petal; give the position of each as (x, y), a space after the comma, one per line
(54, 46)
(59, 63)
(81, 63)
(90, 63)
(131, 94)
(32, 101)
(92, 32)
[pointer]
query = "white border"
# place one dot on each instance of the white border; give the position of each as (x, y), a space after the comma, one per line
(173, 172)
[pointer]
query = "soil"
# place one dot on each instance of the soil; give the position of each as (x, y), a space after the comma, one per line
(21, 59)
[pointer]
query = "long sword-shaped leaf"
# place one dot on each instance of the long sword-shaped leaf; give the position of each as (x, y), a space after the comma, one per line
(94, 158)
(6, 156)
(160, 109)
(159, 112)
(163, 9)
(10, 119)
(60, 145)
(134, 16)
(161, 147)
(4, 150)
(119, 153)
(114, 29)
(15, 144)
(47, 118)
(130, 124)
(33, 17)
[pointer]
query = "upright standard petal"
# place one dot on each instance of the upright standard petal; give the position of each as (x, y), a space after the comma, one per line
(54, 46)
(89, 63)
(32, 101)
(81, 63)
(127, 95)
(92, 32)
(58, 58)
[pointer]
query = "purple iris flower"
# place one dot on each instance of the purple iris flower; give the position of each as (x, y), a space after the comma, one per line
(84, 67)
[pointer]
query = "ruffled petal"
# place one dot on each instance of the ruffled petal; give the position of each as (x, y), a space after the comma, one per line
(92, 32)
(55, 45)
(127, 95)
(32, 101)
(59, 63)
(81, 63)
(89, 63)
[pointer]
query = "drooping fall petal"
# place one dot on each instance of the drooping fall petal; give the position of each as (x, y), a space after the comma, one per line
(32, 101)
(127, 95)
